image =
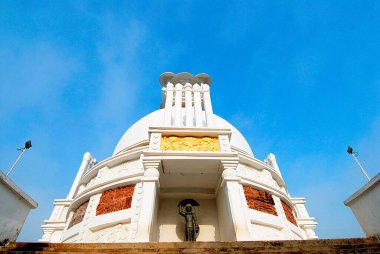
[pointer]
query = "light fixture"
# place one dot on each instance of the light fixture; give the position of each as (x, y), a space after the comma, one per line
(28, 144)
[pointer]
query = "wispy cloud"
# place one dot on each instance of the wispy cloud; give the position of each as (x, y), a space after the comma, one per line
(120, 79)
(34, 75)
(120, 75)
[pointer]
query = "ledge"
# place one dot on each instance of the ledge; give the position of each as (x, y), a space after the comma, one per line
(8, 183)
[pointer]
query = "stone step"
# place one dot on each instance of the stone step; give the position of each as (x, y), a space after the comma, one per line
(353, 245)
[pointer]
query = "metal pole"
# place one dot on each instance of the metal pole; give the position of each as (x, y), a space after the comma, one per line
(14, 164)
(353, 156)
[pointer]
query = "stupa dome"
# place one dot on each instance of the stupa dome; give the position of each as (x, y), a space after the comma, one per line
(180, 173)
(138, 133)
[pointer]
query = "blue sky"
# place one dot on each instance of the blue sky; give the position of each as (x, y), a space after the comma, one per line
(300, 79)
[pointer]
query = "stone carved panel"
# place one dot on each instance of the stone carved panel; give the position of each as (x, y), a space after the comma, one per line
(270, 179)
(289, 213)
(259, 200)
(200, 144)
(115, 200)
(129, 165)
(249, 172)
(115, 234)
(124, 168)
(263, 176)
(91, 182)
(78, 214)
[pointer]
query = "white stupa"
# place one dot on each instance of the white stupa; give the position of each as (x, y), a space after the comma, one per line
(180, 152)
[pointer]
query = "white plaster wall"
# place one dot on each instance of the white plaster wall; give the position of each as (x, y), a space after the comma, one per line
(171, 228)
(265, 232)
(13, 212)
(366, 208)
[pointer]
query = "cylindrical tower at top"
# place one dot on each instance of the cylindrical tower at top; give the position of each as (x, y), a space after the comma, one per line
(186, 100)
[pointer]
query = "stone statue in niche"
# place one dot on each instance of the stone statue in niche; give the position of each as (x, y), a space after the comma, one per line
(187, 210)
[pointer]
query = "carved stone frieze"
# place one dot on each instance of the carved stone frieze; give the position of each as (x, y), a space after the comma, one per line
(200, 144)
(247, 171)
(125, 167)
(118, 233)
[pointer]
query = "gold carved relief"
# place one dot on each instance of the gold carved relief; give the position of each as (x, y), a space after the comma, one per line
(200, 144)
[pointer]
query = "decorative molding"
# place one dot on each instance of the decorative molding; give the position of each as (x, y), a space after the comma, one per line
(137, 199)
(225, 143)
(154, 143)
(150, 162)
(230, 164)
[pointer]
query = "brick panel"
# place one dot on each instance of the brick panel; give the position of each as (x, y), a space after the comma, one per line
(115, 200)
(259, 200)
(78, 214)
(289, 213)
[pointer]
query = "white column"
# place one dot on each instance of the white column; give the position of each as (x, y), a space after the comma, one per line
(56, 222)
(236, 200)
(207, 105)
(197, 105)
(168, 104)
(271, 161)
(178, 105)
(86, 162)
(148, 209)
(188, 105)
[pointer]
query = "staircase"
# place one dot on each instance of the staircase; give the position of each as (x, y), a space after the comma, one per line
(352, 245)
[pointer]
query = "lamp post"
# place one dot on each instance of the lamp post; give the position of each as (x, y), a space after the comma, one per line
(354, 155)
(28, 144)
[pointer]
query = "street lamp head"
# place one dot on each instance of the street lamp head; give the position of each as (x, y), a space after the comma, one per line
(28, 144)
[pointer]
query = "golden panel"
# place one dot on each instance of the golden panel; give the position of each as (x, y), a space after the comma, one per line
(200, 144)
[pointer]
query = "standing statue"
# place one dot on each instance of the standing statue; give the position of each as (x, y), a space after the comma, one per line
(192, 227)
